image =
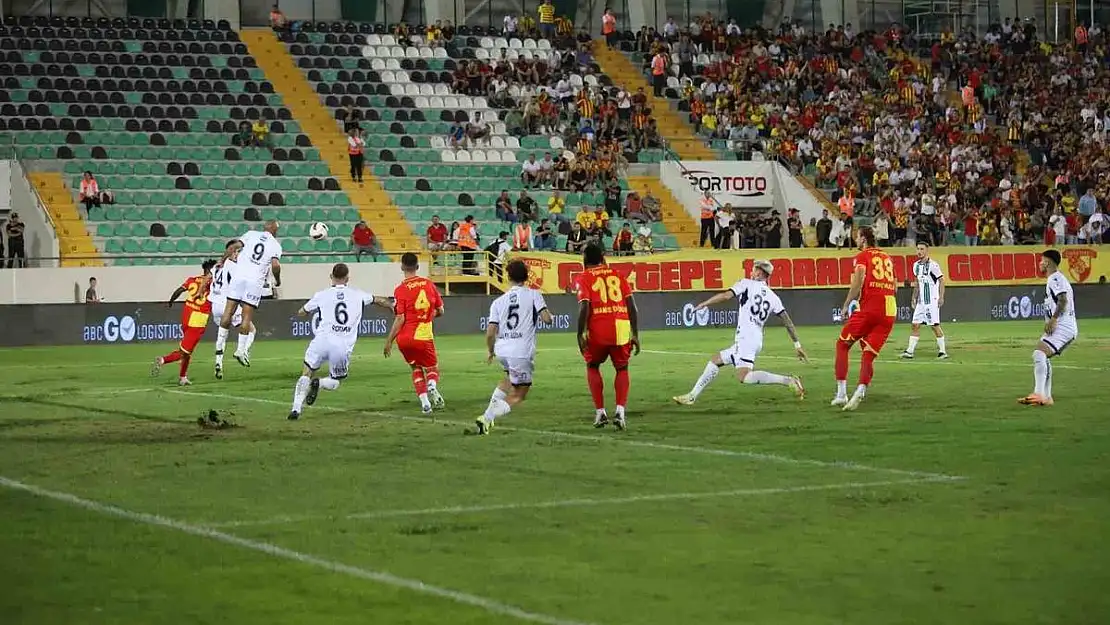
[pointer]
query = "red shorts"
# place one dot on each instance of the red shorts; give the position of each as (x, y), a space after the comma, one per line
(190, 338)
(597, 354)
(419, 353)
(870, 329)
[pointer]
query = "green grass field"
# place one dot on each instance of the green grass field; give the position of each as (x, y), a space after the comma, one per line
(940, 501)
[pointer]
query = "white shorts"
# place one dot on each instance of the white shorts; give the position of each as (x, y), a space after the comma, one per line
(927, 314)
(743, 353)
(519, 370)
(218, 307)
(325, 348)
(247, 291)
(1061, 337)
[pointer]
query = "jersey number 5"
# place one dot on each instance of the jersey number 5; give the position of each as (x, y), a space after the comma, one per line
(882, 269)
(609, 288)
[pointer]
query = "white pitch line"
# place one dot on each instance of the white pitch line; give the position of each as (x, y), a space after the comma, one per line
(380, 577)
(900, 363)
(580, 503)
(710, 451)
(94, 392)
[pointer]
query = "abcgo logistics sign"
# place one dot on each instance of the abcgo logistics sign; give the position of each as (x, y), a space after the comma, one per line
(697, 270)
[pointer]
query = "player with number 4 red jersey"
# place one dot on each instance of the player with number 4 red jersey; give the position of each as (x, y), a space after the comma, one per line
(607, 330)
(874, 285)
(417, 303)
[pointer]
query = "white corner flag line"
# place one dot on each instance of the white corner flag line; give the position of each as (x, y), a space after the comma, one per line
(380, 577)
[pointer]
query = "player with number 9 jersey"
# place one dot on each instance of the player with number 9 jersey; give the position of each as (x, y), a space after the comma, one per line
(417, 303)
(874, 285)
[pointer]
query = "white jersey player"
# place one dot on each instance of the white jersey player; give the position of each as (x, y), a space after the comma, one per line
(1060, 329)
(222, 274)
(757, 304)
(928, 297)
(259, 256)
(511, 340)
(340, 314)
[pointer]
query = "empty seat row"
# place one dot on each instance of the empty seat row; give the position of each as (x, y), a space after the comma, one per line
(57, 21)
(185, 97)
(125, 34)
(119, 46)
(214, 170)
(126, 58)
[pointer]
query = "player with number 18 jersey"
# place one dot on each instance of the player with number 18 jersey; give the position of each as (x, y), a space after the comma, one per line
(417, 303)
(874, 284)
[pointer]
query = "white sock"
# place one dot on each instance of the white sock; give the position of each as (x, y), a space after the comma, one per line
(600, 412)
(498, 408)
(913, 344)
(707, 376)
(250, 339)
(940, 345)
(432, 386)
(329, 384)
(1040, 371)
(498, 395)
(1048, 379)
(241, 348)
(620, 411)
(221, 341)
(423, 397)
(764, 377)
(842, 388)
(861, 390)
(300, 391)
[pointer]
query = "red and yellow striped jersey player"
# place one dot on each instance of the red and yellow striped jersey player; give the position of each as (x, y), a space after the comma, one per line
(194, 321)
(417, 303)
(874, 285)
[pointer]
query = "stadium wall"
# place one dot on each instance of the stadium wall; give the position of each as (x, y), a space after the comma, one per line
(71, 324)
(66, 285)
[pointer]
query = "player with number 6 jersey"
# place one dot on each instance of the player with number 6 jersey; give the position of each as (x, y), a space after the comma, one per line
(511, 339)
(874, 285)
(417, 303)
(757, 304)
(339, 315)
(608, 329)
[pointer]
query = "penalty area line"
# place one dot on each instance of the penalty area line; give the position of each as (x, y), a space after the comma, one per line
(578, 503)
(380, 577)
(620, 440)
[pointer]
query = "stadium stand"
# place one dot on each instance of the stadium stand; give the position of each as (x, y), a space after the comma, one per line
(152, 108)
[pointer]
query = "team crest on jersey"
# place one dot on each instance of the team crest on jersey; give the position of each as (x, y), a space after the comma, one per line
(1079, 263)
(536, 268)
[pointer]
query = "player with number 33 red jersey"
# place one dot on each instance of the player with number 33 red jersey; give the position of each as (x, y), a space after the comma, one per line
(417, 303)
(874, 284)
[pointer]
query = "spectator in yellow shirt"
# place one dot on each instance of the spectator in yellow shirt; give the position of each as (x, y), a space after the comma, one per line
(556, 204)
(261, 132)
(585, 218)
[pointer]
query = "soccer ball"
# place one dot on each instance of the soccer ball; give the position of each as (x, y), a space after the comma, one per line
(318, 231)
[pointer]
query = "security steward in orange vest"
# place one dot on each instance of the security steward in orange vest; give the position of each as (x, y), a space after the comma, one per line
(468, 243)
(708, 210)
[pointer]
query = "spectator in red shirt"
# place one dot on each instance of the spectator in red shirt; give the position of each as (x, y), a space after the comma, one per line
(364, 242)
(436, 235)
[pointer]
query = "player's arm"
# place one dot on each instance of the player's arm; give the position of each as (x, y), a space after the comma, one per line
(543, 312)
(788, 323)
(491, 338)
(309, 307)
(1061, 308)
(382, 302)
(634, 322)
(438, 302)
(398, 322)
(856, 286)
(940, 291)
(176, 294)
(275, 268)
(723, 296)
(584, 312)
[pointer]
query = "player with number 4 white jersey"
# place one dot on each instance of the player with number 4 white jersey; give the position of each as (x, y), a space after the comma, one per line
(222, 275)
(258, 257)
(511, 340)
(928, 297)
(757, 304)
(1060, 329)
(339, 315)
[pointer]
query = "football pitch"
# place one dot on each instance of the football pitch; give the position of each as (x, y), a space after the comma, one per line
(940, 501)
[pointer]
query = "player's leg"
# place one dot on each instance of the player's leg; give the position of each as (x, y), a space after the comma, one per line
(852, 330)
(339, 360)
(431, 374)
(595, 356)
(620, 355)
(159, 362)
(189, 341)
(938, 332)
(712, 368)
(514, 386)
(1050, 346)
(314, 356)
(242, 353)
(915, 336)
(871, 345)
(221, 337)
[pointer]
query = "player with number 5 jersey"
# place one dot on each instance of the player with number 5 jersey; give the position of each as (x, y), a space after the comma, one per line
(874, 285)
(607, 330)
(338, 315)
(417, 303)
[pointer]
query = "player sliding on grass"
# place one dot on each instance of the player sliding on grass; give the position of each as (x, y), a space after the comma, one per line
(417, 304)
(757, 303)
(340, 309)
(1060, 329)
(259, 256)
(511, 339)
(194, 321)
(607, 329)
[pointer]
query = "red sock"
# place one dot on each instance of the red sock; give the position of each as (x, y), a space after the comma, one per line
(867, 367)
(418, 381)
(841, 366)
(185, 364)
(432, 374)
(621, 383)
(173, 356)
(597, 387)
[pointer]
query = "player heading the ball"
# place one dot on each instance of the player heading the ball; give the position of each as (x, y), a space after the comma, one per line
(757, 304)
(874, 285)
(259, 256)
(417, 303)
(511, 339)
(608, 329)
(1060, 329)
(340, 309)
